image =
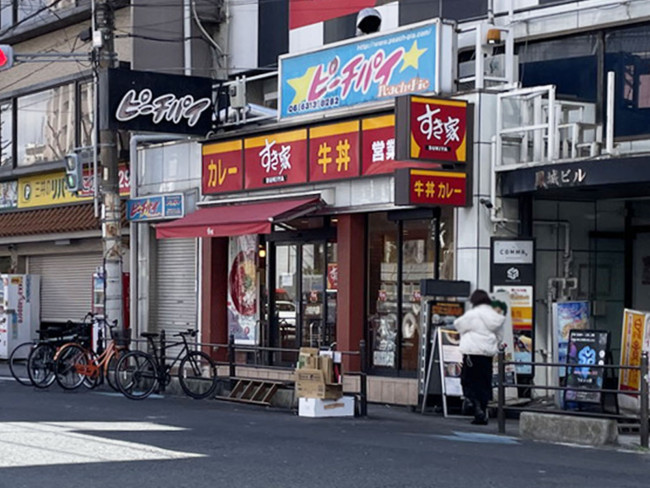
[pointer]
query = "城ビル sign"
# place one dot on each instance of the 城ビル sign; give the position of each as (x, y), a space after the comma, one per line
(222, 167)
(432, 129)
(276, 159)
(373, 68)
(334, 151)
(425, 187)
(155, 102)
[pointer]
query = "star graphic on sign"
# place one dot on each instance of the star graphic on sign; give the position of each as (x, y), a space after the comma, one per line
(412, 56)
(301, 85)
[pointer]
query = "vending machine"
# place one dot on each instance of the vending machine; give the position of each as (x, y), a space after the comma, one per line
(19, 310)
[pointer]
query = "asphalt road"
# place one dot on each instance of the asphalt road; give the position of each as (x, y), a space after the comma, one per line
(100, 439)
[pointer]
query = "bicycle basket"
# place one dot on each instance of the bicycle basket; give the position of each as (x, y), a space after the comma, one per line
(121, 337)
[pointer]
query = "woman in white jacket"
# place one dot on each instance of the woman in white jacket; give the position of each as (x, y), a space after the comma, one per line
(481, 333)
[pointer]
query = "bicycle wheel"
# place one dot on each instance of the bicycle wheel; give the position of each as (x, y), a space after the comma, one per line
(70, 362)
(91, 381)
(135, 375)
(40, 365)
(18, 363)
(111, 367)
(197, 375)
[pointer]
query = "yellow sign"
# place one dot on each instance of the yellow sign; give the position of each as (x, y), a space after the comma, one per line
(634, 330)
(45, 190)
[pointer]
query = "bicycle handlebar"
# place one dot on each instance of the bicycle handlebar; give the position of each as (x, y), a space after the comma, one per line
(188, 332)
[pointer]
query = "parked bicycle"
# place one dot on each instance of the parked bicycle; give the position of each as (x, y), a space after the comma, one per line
(39, 372)
(76, 364)
(140, 373)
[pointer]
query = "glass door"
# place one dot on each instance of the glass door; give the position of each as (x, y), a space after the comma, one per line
(305, 282)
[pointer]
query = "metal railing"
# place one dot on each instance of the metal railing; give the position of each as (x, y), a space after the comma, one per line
(642, 392)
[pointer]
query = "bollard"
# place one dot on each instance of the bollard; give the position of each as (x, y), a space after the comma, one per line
(162, 380)
(363, 386)
(643, 421)
(231, 356)
(501, 413)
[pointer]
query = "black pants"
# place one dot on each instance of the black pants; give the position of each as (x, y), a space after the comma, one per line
(476, 379)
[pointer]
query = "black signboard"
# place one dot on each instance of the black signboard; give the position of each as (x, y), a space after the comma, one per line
(156, 102)
(586, 349)
(512, 262)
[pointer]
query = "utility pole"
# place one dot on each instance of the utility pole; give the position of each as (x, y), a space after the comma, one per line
(103, 39)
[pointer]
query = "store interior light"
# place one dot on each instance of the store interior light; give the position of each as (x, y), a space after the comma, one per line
(261, 252)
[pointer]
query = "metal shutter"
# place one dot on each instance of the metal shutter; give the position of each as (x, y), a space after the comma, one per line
(66, 284)
(174, 304)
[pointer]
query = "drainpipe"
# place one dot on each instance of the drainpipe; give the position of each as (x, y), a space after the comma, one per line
(187, 36)
(133, 227)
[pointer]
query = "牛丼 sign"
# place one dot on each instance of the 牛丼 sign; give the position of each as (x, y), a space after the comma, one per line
(432, 129)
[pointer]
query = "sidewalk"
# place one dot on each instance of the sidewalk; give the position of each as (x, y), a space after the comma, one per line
(460, 427)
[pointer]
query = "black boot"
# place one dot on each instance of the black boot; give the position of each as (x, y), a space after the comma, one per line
(480, 415)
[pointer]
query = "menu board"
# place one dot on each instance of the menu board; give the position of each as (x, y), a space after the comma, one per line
(586, 348)
(451, 362)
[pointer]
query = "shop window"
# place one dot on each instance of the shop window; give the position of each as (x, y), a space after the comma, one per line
(400, 254)
(626, 54)
(6, 126)
(571, 64)
(45, 125)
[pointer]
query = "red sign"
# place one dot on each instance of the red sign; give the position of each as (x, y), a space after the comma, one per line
(305, 12)
(276, 159)
(377, 145)
(222, 169)
(334, 151)
(424, 187)
(437, 129)
(123, 181)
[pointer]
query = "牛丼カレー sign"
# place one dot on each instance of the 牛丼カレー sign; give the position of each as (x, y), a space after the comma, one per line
(371, 68)
(432, 129)
(155, 102)
(426, 187)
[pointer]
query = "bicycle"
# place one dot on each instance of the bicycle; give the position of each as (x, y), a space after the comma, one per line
(139, 373)
(40, 373)
(75, 364)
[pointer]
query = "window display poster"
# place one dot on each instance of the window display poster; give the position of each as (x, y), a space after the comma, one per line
(501, 303)
(635, 341)
(585, 348)
(451, 362)
(384, 340)
(568, 316)
(243, 290)
(521, 315)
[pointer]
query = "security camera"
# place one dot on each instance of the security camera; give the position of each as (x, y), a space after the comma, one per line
(486, 203)
(368, 21)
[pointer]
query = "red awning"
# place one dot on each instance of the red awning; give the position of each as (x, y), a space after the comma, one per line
(237, 219)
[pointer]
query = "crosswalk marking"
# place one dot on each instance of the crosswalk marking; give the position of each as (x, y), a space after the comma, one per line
(48, 443)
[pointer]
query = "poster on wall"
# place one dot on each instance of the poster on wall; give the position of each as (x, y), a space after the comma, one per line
(501, 303)
(585, 348)
(521, 316)
(243, 290)
(568, 316)
(635, 341)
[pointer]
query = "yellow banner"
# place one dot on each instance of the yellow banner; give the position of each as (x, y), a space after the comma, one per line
(634, 325)
(45, 190)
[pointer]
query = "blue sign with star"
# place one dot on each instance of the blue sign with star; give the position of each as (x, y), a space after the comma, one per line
(366, 69)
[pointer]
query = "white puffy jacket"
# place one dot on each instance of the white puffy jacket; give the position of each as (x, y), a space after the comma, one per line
(481, 331)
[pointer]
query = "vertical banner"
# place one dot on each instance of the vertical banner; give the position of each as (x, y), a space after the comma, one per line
(243, 290)
(634, 341)
(568, 316)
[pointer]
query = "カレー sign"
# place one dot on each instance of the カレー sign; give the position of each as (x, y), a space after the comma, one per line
(222, 167)
(276, 159)
(371, 68)
(334, 151)
(432, 129)
(424, 187)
